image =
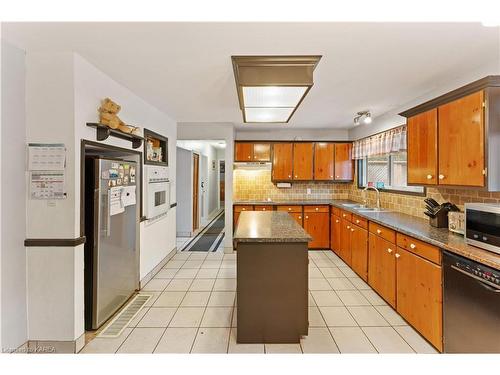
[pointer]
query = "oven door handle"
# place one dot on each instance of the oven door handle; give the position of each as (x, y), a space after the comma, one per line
(484, 283)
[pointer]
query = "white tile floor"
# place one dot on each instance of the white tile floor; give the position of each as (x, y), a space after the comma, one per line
(193, 311)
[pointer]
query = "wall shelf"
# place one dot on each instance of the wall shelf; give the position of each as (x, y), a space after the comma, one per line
(155, 148)
(103, 132)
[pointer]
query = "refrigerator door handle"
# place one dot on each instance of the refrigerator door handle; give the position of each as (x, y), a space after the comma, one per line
(108, 216)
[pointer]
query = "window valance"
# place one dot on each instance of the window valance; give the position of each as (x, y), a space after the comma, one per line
(393, 140)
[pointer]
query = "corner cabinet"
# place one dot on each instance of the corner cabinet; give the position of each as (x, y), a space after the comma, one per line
(454, 140)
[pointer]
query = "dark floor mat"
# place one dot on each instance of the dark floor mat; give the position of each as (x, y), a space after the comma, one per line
(205, 241)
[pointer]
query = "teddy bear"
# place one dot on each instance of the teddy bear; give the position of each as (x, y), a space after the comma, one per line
(108, 115)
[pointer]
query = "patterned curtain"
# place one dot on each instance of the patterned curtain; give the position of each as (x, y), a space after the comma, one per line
(387, 142)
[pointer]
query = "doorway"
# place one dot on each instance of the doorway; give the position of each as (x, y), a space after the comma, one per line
(222, 184)
(196, 173)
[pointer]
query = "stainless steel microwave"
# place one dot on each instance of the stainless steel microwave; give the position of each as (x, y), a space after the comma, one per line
(482, 225)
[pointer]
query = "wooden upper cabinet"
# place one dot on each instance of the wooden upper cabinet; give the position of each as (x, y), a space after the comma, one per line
(324, 161)
(422, 134)
(282, 163)
(262, 152)
(243, 151)
(303, 161)
(344, 165)
(419, 295)
(461, 141)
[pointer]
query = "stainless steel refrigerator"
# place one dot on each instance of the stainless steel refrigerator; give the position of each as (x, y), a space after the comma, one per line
(111, 250)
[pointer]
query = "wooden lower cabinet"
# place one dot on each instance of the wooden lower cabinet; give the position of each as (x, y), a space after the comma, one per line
(298, 218)
(382, 268)
(335, 226)
(345, 241)
(359, 251)
(317, 224)
(263, 208)
(419, 295)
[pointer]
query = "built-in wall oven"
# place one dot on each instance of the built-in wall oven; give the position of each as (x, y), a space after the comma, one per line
(482, 225)
(157, 191)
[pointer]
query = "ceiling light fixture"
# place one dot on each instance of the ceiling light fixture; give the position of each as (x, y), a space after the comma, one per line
(270, 88)
(367, 117)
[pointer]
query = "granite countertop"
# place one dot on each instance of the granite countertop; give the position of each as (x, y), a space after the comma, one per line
(409, 225)
(270, 226)
(298, 202)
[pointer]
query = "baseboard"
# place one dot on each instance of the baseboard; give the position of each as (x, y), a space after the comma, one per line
(184, 234)
(158, 267)
(54, 347)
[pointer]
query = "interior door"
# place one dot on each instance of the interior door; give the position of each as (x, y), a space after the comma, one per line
(282, 166)
(303, 161)
(359, 251)
(382, 268)
(204, 201)
(344, 166)
(461, 141)
(422, 133)
(419, 295)
(324, 161)
(196, 212)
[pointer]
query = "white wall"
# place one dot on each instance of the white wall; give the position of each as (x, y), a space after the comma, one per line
(391, 119)
(216, 131)
(13, 305)
(63, 92)
(297, 134)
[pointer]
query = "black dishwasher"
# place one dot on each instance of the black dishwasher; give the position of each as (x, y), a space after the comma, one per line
(471, 306)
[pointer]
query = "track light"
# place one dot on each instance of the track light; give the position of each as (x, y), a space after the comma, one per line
(367, 117)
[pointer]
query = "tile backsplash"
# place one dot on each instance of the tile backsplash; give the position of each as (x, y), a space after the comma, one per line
(255, 184)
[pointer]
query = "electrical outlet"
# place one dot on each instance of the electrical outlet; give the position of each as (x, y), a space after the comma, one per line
(308, 190)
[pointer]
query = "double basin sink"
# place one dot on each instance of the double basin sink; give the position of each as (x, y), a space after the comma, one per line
(362, 208)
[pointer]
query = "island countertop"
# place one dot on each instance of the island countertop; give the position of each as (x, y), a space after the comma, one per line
(269, 226)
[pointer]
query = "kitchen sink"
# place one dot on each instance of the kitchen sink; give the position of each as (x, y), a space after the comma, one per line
(371, 209)
(352, 205)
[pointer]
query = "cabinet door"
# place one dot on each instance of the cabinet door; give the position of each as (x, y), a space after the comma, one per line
(243, 151)
(303, 161)
(298, 218)
(345, 241)
(419, 295)
(282, 161)
(318, 227)
(335, 230)
(359, 251)
(344, 165)
(263, 208)
(262, 152)
(236, 216)
(382, 268)
(323, 161)
(422, 145)
(461, 142)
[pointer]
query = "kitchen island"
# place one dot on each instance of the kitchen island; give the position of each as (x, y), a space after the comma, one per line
(272, 278)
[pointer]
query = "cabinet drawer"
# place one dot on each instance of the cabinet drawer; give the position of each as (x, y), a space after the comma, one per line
(240, 208)
(336, 211)
(263, 208)
(346, 215)
(297, 209)
(385, 233)
(316, 209)
(423, 249)
(360, 221)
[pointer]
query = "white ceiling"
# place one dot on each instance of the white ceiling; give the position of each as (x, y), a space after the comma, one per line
(185, 68)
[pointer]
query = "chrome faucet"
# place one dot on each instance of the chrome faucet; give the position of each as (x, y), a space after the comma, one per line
(378, 195)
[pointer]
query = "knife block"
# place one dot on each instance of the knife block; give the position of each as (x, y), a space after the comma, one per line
(441, 219)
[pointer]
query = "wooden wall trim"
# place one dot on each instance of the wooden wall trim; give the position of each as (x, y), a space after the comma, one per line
(480, 84)
(54, 242)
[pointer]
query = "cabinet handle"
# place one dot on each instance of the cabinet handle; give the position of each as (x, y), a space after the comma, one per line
(300, 217)
(344, 215)
(357, 221)
(331, 176)
(307, 217)
(352, 230)
(317, 208)
(296, 176)
(412, 246)
(289, 176)
(397, 255)
(263, 209)
(441, 176)
(379, 231)
(337, 177)
(336, 221)
(429, 177)
(289, 208)
(249, 157)
(389, 250)
(243, 209)
(348, 227)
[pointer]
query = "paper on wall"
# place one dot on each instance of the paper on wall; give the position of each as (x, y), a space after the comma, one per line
(46, 157)
(128, 196)
(115, 201)
(47, 185)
